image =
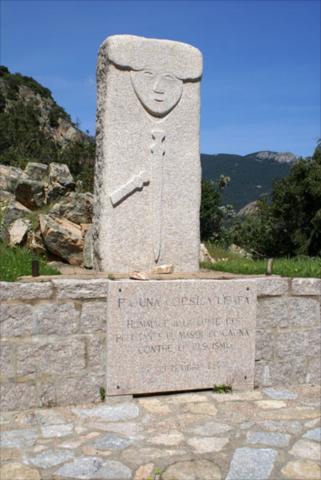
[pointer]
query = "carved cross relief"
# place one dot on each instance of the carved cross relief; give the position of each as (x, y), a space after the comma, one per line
(158, 93)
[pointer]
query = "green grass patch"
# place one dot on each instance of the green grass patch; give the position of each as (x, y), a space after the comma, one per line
(285, 267)
(16, 262)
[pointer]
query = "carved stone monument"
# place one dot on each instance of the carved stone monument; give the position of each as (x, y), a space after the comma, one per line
(148, 174)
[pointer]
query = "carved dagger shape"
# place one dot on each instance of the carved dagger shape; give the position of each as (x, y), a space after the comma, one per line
(156, 185)
(137, 182)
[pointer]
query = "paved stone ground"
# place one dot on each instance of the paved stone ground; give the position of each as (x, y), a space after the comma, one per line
(268, 434)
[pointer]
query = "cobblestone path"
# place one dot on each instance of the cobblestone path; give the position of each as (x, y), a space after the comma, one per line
(269, 434)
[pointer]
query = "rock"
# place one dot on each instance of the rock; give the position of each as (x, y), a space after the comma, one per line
(192, 470)
(139, 276)
(301, 470)
(6, 197)
(163, 269)
(51, 458)
(62, 238)
(210, 428)
(144, 471)
(109, 413)
(60, 181)
(31, 193)
(168, 439)
(273, 439)
(59, 173)
(306, 449)
(249, 209)
(76, 207)
(88, 253)
(17, 231)
(111, 441)
(239, 251)
(93, 467)
(35, 243)
(9, 177)
(55, 431)
(280, 394)
(204, 254)
(314, 434)
(208, 444)
(16, 471)
(252, 464)
(12, 212)
(37, 171)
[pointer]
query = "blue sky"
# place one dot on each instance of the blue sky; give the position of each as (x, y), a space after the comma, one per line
(261, 81)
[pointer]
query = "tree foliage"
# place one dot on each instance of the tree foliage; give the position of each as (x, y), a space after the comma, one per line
(212, 212)
(290, 223)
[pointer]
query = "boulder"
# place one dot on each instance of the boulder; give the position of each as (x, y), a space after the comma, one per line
(249, 209)
(37, 171)
(35, 243)
(239, 251)
(11, 212)
(6, 197)
(60, 181)
(59, 173)
(76, 207)
(17, 231)
(204, 255)
(62, 238)
(31, 193)
(9, 177)
(88, 249)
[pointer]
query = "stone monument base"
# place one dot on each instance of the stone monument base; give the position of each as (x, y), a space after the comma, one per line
(175, 335)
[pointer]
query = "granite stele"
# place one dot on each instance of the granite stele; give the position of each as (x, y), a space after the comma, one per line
(148, 172)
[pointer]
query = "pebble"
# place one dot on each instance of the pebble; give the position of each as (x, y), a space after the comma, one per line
(252, 464)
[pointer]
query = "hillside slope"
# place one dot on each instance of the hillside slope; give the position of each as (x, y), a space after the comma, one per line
(251, 175)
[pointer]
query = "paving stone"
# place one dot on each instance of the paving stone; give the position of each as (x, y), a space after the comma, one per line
(92, 468)
(111, 441)
(111, 413)
(129, 429)
(312, 423)
(18, 438)
(62, 430)
(192, 470)
(208, 444)
(290, 413)
(314, 434)
(51, 458)
(282, 426)
(210, 428)
(237, 396)
(16, 471)
(280, 394)
(154, 405)
(168, 439)
(273, 439)
(300, 470)
(10, 454)
(201, 408)
(267, 404)
(113, 470)
(252, 464)
(149, 454)
(306, 449)
(144, 471)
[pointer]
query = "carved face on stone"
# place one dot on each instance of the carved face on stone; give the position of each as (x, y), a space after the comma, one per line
(158, 92)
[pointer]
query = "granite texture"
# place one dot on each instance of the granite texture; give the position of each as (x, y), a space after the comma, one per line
(148, 159)
(180, 335)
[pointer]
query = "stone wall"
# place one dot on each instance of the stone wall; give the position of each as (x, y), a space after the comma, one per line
(53, 338)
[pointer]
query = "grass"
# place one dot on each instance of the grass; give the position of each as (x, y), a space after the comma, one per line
(16, 261)
(286, 267)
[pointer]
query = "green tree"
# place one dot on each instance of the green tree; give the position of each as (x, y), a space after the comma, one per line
(212, 213)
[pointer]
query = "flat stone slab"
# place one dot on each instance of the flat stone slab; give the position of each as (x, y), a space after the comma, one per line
(180, 335)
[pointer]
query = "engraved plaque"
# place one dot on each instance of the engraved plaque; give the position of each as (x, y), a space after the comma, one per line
(176, 335)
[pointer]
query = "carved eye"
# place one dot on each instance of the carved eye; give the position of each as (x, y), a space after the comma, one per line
(168, 76)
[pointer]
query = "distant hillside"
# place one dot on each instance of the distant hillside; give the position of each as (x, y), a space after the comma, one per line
(34, 128)
(251, 175)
